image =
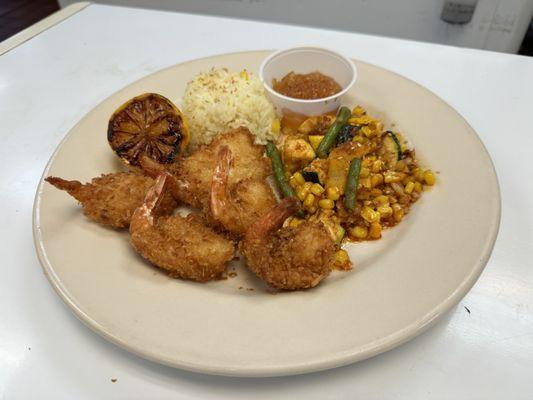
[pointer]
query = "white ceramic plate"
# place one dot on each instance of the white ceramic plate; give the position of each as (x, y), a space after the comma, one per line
(400, 285)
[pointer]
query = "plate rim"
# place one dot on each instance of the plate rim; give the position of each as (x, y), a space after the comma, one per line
(337, 360)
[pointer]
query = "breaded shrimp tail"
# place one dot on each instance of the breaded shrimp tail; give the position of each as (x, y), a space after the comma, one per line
(152, 168)
(272, 221)
(219, 182)
(195, 173)
(237, 206)
(111, 199)
(74, 188)
(183, 246)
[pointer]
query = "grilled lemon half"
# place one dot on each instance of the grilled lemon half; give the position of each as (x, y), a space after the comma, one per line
(148, 125)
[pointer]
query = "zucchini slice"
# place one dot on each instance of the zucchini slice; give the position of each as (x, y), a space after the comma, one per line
(393, 145)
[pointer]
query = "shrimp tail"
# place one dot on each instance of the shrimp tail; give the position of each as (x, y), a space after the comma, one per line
(219, 183)
(153, 198)
(71, 187)
(150, 167)
(273, 220)
(153, 169)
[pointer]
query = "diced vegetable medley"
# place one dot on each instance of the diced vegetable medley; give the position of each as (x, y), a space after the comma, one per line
(349, 173)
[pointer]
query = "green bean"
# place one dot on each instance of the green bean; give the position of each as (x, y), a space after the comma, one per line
(279, 171)
(352, 181)
(331, 135)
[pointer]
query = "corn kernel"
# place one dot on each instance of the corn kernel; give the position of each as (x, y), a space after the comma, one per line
(326, 204)
(312, 210)
(362, 120)
(299, 178)
(382, 200)
(359, 232)
(398, 212)
(376, 180)
(365, 130)
(398, 215)
(429, 177)
(293, 183)
(244, 74)
(295, 222)
(390, 177)
(342, 256)
(385, 211)
(418, 187)
(303, 190)
(296, 180)
(359, 139)
(375, 230)
(358, 111)
(369, 214)
(400, 165)
(333, 193)
(365, 182)
(377, 165)
(376, 192)
(317, 189)
(342, 260)
(409, 187)
(275, 127)
(309, 200)
(364, 173)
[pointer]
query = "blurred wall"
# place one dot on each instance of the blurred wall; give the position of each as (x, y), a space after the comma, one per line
(498, 25)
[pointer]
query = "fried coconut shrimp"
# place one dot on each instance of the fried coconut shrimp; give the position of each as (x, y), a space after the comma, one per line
(183, 246)
(237, 207)
(194, 173)
(288, 258)
(111, 199)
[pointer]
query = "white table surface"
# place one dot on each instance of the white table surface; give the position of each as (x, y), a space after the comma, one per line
(49, 82)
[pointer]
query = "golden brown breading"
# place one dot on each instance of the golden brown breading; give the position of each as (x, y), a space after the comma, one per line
(112, 198)
(288, 258)
(194, 173)
(235, 208)
(183, 246)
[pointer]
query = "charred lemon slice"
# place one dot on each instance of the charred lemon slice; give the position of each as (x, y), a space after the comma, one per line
(148, 125)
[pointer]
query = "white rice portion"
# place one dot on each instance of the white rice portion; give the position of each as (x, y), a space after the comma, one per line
(219, 100)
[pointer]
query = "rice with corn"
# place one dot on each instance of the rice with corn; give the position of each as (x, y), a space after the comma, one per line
(219, 100)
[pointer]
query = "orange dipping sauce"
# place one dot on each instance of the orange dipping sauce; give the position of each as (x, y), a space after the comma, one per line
(314, 85)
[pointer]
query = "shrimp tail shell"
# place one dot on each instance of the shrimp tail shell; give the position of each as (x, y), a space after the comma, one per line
(273, 220)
